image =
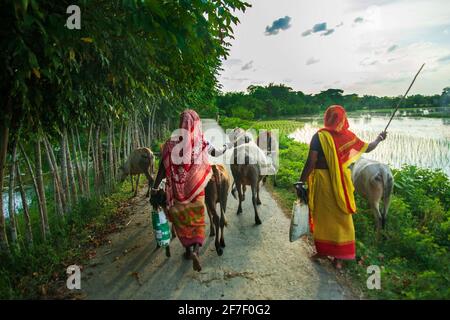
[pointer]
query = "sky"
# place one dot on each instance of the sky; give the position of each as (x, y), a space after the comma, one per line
(361, 46)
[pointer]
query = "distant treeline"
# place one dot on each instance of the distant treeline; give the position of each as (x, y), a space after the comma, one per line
(272, 101)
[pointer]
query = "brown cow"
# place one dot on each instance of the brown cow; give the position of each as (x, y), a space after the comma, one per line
(216, 191)
(140, 161)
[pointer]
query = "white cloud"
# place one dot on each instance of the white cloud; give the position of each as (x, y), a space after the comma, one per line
(312, 60)
(247, 66)
(410, 25)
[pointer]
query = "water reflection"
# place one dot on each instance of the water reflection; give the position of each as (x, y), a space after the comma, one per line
(424, 142)
(17, 201)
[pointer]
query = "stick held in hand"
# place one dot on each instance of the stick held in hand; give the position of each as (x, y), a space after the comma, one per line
(398, 105)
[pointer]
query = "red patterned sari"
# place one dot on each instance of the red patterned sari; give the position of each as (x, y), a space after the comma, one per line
(188, 171)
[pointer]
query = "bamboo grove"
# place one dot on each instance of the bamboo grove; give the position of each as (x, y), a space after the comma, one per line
(75, 102)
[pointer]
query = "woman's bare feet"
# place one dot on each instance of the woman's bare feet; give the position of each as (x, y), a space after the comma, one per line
(337, 263)
(196, 262)
(317, 256)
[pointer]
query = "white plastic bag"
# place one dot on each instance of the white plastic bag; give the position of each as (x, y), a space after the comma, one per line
(299, 221)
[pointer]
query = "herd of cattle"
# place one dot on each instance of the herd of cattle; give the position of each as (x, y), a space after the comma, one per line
(372, 180)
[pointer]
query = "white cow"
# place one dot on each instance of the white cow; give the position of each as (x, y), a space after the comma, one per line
(374, 182)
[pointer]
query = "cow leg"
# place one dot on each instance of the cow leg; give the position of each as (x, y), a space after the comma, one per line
(168, 251)
(132, 184)
(209, 208)
(223, 206)
(238, 187)
(137, 185)
(216, 221)
(150, 182)
(255, 205)
(244, 189)
(378, 218)
(258, 200)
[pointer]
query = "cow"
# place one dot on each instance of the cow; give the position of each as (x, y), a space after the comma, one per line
(374, 182)
(248, 172)
(216, 192)
(140, 161)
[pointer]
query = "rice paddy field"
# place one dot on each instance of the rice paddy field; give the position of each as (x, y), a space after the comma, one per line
(423, 142)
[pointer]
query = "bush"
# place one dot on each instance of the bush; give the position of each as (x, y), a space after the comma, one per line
(243, 113)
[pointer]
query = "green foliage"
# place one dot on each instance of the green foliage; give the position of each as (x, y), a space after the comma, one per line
(243, 113)
(414, 253)
(37, 270)
(275, 101)
(231, 123)
(128, 55)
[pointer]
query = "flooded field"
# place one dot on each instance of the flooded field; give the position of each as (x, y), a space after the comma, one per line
(424, 142)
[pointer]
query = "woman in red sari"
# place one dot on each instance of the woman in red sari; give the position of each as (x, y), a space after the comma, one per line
(330, 189)
(187, 171)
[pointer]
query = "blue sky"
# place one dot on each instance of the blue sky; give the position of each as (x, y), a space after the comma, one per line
(361, 46)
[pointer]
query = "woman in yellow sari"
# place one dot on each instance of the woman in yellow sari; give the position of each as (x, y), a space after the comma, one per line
(330, 189)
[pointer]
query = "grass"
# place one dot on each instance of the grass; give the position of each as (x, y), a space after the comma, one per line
(39, 270)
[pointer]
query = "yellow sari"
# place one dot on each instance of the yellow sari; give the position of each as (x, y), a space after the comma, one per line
(332, 203)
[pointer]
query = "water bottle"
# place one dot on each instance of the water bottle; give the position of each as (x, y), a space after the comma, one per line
(161, 228)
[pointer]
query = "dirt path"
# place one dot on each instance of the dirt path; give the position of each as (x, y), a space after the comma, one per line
(259, 262)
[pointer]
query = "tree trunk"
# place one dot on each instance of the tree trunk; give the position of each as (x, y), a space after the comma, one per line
(76, 163)
(4, 135)
(57, 184)
(86, 167)
(11, 202)
(26, 211)
(58, 176)
(126, 142)
(100, 161)
(94, 161)
(149, 137)
(114, 150)
(142, 134)
(40, 188)
(82, 162)
(153, 123)
(111, 153)
(119, 148)
(99, 157)
(64, 173)
(136, 143)
(36, 189)
(70, 170)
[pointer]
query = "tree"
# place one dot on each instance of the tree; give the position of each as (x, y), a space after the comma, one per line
(445, 97)
(128, 53)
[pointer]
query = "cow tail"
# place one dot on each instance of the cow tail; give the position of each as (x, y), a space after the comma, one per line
(216, 175)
